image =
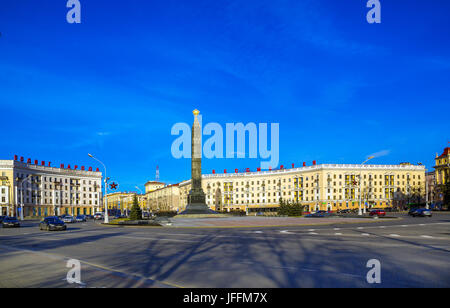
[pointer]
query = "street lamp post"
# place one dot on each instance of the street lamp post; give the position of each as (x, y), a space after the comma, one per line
(360, 192)
(106, 188)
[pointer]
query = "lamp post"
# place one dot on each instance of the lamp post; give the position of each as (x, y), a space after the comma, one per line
(106, 188)
(360, 180)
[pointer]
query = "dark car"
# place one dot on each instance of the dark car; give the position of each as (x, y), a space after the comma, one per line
(80, 218)
(412, 210)
(421, 213)
(345, 211)
(377, 212)
(1, 218)
(89, 216)
(10, 222)
(319, 214)
(52, 224)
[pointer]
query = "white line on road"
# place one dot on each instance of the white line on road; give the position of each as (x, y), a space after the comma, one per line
(338, 234)
(394, 235)
(426, 236)
(365, 234)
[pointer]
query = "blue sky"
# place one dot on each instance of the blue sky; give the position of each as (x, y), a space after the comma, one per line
(115, 84)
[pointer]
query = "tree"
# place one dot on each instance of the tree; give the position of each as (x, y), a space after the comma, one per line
(287, 208)
(136, 212)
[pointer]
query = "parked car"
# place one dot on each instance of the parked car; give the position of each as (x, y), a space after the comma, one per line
(52, 224)
(80, 218)
(319, 214)
(345, 211)
(377, 212)
(89, 216)
(98, 216)
(69, 219)
(421, 213)
(10, 222)
(1, 218)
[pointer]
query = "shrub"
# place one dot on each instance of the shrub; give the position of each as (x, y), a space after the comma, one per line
(290, 209)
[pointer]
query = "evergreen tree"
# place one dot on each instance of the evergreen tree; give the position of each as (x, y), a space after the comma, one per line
(136, 212)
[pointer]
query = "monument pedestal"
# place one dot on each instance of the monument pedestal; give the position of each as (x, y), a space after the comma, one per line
(197, 209)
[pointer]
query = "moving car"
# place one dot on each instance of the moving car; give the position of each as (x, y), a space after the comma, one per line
(52, 224)
(80, 218)
(10, 222)
(421, 213)
(377, 212)
(68, 219)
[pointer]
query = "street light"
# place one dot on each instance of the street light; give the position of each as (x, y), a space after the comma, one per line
(106, 187)
(360, 180)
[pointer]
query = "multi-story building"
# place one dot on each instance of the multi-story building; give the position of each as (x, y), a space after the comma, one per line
(442, 167)
(153, 185)
(45, 190)
(318, 187)
(123, 201)
(166, 198)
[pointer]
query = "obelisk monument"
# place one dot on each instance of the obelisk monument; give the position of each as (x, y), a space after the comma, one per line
(196, 198)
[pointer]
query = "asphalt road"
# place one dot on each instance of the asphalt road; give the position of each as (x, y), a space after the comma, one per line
(413, 252)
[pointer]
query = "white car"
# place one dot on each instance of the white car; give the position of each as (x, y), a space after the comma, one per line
(98, 216)
(69, 219)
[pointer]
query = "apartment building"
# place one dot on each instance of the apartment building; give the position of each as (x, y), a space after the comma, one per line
(43, 190)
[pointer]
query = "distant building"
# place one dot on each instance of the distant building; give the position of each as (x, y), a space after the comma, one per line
(442, 167)
(166, 198)
(319, 187)
(123, 201)
(153, 185)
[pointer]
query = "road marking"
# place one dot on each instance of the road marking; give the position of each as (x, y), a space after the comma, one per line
(286, 232)
(394, 235)
(156, 239)
(360, 228)
(338, 234)
(336, 229)
(365, 234)
(312, 230)
(312, 233)
(426, 236)
(382, 227)
(403, 226)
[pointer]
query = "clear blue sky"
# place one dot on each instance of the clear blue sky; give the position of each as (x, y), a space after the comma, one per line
(115, 84)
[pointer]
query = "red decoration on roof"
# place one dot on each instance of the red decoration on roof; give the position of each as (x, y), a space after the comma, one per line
(446, 152)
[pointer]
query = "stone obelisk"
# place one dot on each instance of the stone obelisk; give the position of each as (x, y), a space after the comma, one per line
(196, 198)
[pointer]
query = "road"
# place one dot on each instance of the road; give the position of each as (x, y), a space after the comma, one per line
(413, 252)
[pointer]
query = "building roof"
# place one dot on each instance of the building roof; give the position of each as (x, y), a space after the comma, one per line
(446, 153)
